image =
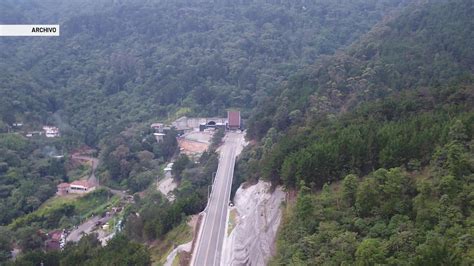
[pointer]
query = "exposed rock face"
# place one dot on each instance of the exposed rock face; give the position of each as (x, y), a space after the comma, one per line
(259, 215)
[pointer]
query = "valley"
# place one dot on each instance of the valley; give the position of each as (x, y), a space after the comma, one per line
(256, 132)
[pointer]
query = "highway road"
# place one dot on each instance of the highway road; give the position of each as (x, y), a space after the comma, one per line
(211, 237)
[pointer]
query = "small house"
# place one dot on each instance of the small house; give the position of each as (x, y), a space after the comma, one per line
(51, 132)
(63, 189)
(158, 127)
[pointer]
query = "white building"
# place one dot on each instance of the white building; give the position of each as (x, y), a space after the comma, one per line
(51, 132)
(168, 169)
(159, 136)
(80, 186)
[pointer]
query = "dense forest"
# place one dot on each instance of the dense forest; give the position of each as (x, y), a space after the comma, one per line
(89, 251)
(377, 140)
(363, 108)
(28, 174)
(119, 62)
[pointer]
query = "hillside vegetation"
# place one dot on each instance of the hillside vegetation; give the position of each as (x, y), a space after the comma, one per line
(362, 107)
(392, 117)
(119, 62)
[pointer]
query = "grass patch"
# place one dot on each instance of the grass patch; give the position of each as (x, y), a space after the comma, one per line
(68, 210)
(179, 235)
(83, 170)
(232, 220)
(176, 260)
(56, 201)
(95, 203)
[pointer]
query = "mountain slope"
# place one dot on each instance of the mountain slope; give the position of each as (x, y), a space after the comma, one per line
(393, 118)
(119, 62)
(429, 46)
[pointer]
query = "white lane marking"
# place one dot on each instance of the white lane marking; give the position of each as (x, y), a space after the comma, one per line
(214, 219)
(220, 216)
(208, 211)
(224, 209)
(230, 165)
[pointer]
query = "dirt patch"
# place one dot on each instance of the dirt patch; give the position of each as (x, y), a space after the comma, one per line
(166, 186)
(191, 147)
(184, 258)
(199, 136)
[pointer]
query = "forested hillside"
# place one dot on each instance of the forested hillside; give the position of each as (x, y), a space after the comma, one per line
(362, 108)
(119, 62)
(28, 175)
(119, 65)
(392, 117)
(427, 47)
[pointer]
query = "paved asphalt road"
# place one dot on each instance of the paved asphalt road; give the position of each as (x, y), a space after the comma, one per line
(84, 228)
(209, 248)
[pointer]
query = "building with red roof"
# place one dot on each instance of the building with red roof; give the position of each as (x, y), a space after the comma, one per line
(63, 189)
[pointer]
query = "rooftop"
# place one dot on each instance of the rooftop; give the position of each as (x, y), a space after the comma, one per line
(63, 185)
(234, 118)
(82, 183)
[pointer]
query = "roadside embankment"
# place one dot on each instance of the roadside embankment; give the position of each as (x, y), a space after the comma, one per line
(255, 221)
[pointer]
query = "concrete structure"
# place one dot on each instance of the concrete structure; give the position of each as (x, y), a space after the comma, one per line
(51, 132)
(63, 189)
(187, 124)
(168, 168)
(80, 187)
(158, 127)
(234, 120)
(212, 125)
(34, 133)
(159, 137)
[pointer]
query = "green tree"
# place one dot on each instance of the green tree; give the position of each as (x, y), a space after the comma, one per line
(180, 164)
(367, 198)
(370, 252)
(5, 244)
(349, 189)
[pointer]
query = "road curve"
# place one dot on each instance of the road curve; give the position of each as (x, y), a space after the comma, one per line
(209, 246)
